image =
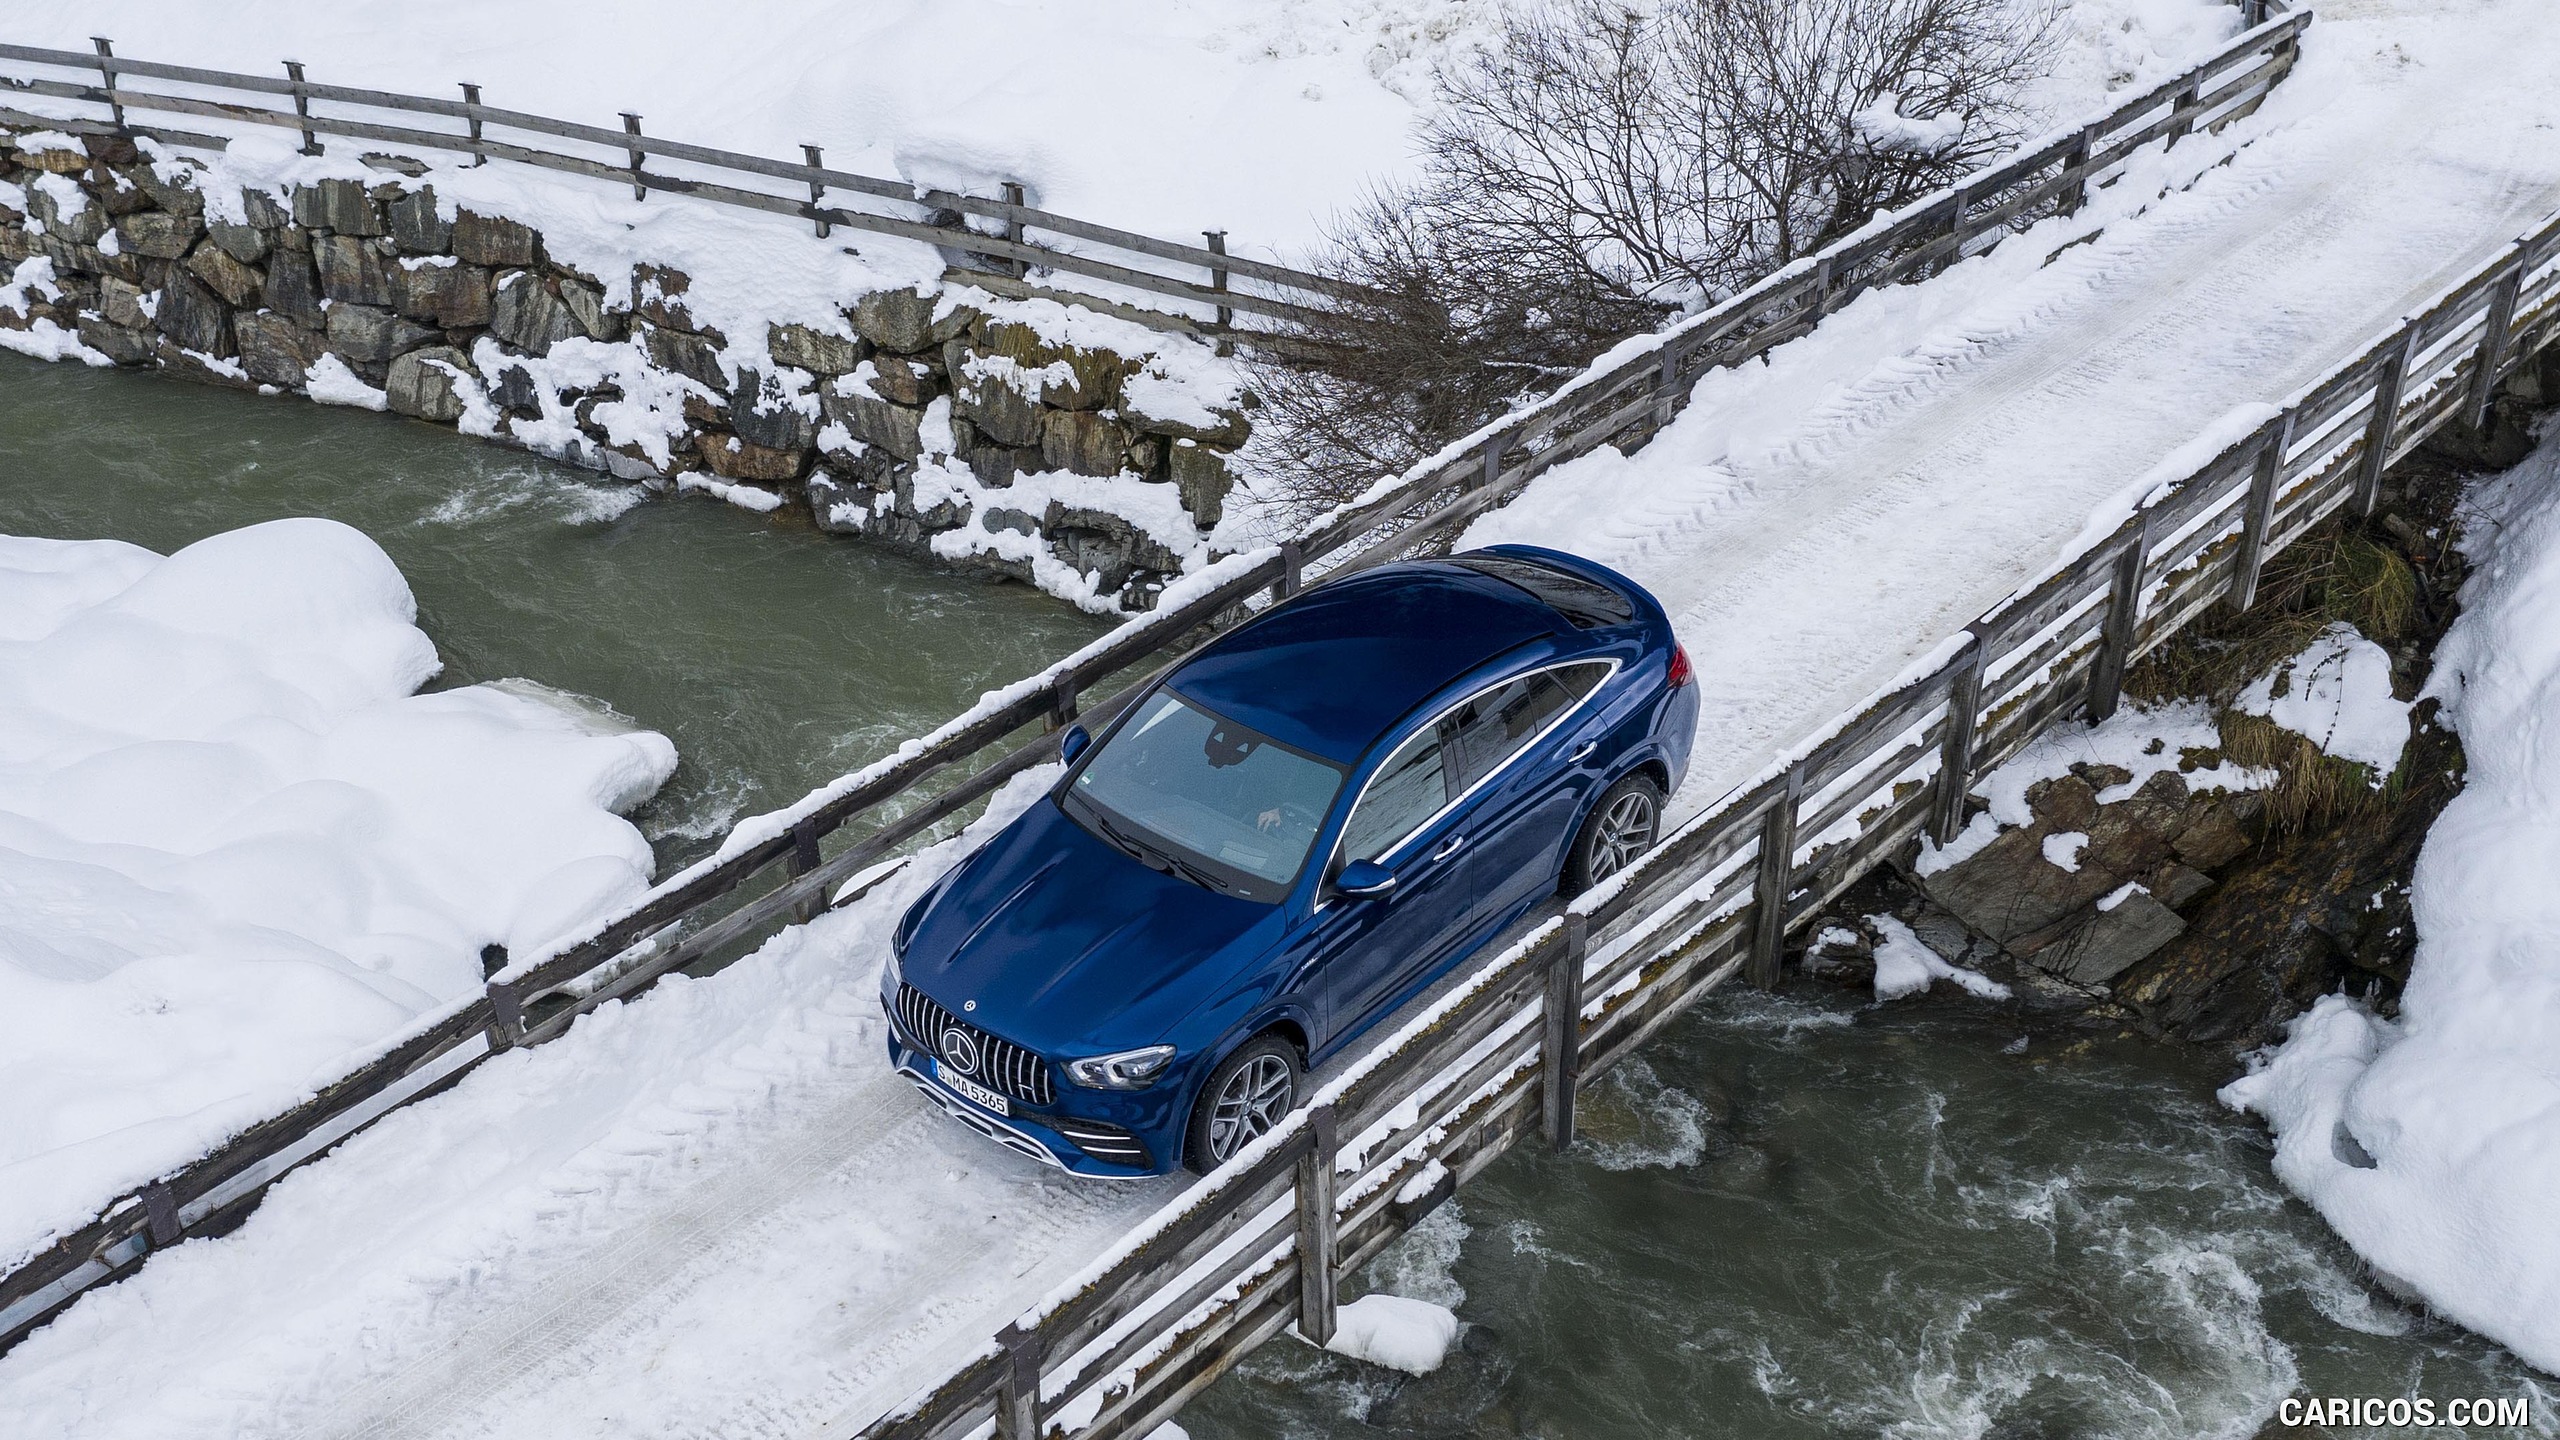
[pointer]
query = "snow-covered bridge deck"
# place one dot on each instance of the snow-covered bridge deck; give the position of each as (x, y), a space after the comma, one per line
(715, 1211)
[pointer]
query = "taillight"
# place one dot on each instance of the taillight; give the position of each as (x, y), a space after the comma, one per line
(1681, 674)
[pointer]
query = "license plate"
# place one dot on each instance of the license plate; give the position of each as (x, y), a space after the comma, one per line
(971, 1088)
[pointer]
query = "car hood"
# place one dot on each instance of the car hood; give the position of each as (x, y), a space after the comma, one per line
(1068, 945)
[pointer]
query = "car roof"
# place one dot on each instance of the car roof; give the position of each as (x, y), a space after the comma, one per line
(1335, 669)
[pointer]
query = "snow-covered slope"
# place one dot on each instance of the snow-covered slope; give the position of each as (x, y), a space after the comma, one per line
(715, 1206)
(234, 846)
(2432, 1142)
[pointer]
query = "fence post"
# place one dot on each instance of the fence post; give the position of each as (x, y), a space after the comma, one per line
(2493, 341)
(817, 188)
(2386, 415)
(2263, 480)
(1955, 743)
(1013, 195)
(1822, 286)
(1666, 384)
(2076, 194)
(302, 107)
(506, 1017)
(1493, 453)
(2124, 620)
(160, 1215)
(804, 858)
(1561, 1044)
(1777, 874)
(1316, 1236)
(107, 73)
(631, 127)
(1018, 1393)
(471, 113)
(2183, 109)
(1063, 700)
(1218, 274)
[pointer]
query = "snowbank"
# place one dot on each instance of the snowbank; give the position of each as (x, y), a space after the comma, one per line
(236, 845)
(1905, 965)
(2337, 694)
(1390, 1330)
(2433, 1143)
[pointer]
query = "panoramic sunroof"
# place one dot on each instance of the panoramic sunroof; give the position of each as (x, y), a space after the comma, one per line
(1586, 604)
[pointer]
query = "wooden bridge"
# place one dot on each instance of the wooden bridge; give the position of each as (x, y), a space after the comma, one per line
(1265, 1243)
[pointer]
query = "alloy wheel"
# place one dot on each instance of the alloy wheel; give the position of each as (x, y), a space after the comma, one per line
(1626, 831)
(1252, 1101)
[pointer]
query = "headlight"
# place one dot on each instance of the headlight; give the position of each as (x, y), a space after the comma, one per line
(1128, 1070)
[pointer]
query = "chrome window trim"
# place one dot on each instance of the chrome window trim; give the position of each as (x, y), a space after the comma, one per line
(1462, 797)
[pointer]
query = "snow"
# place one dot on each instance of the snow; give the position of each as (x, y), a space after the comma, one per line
(330, 382)
(2337, 695)
(2432, 1143)
(2062, 850)
(1905, 965)
(1408, 1335)
(238, 846)
(2121, 894)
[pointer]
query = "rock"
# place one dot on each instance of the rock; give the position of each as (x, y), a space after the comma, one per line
(367, 336)
(159, 234)
(2066, 803)
(874, 421)
(73, 260)
(996, 465)
(124, 344)
(1140, 550)
(658, 296)
(1097, 553)
(839, 507)
(1020, 522)
(263, 210)
(274, 349)
(58, 162)
(339, 206)
(188, 365)
(115, 190)
(237, 284)
(194, 317)
(1068, 377)
(120, 302)
(415, 227)
(1000, 411)
(904, 320)
(902, 381)
(83, 227)
(731, 458)
(692, 356)
(1203, 477)
(516, 393)
(946, 512)
(2211, 838)
(110, 149)
(244, 243)
(2176, 885)
(351, 271)
(424, 384)
(528, 316)
(177, 196)
(2008, 892)
(1083, 442)
(495, 242)
(585, 303)
(15, 243)
(814, 351)
(293, 289)
(1221, 426)
(762, 415)
(450, 294)
(2109, 942)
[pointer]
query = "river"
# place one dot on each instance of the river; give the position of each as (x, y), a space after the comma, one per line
(1793, 1215)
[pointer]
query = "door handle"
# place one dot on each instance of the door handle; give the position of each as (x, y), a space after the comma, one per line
(1448, 847)
(1582, 752)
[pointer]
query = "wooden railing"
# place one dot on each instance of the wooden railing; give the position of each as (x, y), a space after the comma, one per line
(1002, 257)
(534, 998)
(1266, 1242)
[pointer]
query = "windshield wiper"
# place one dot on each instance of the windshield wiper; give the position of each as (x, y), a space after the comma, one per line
(1197, 876)
(1161, 861)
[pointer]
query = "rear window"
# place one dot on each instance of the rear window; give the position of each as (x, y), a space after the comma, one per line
(1585, 604)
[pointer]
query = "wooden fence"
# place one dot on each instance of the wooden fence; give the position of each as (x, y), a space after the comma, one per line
(1002, 257)
(1266, 1242)
(532, 999)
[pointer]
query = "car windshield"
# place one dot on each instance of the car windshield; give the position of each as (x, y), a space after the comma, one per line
(1183, 788)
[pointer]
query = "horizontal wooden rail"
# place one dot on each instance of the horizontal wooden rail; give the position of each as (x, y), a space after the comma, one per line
(700, 910)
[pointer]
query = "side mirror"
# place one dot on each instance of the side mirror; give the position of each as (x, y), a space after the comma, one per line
(1365, 880)
(1075, 742)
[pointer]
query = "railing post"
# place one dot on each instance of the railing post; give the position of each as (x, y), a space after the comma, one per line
(2183, 109)
(1777, 876)
(1666, 384)
(302, 107)
(2385, 417)
(1018, 1393)
(2263, 480)
(1013, 195)
(107, 73)
(1822, 286)
(2076, 194)
(493, 958)
(631, 127)
(1955, 743)
(160, 1215)
(804, 858)
(2124, 621)
(1293, 562)
(1561, 1040)
(1218, 274)
(817, 188)
(1063, 702)
(471, 114)
(506, 1018)
(2493, 341)
(1493, 453)
(1316, 1235)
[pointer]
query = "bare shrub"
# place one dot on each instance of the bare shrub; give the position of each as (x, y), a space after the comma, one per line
(1608, 165)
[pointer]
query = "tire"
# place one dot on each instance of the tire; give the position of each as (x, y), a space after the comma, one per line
(1265, 1075)
(1624, 824)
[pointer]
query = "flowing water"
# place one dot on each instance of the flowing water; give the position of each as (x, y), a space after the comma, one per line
(775, 657)
(1792, 1216)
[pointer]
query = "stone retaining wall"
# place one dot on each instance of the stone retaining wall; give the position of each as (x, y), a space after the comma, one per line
(912, 421)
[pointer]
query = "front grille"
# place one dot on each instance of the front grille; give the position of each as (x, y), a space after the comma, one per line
(1107, 1143)
(1002, 1065)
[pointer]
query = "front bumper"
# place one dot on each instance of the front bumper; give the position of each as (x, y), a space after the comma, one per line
(1025, 1132)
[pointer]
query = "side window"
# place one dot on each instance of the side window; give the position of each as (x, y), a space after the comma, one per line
(1409, 787)
(1492, 727)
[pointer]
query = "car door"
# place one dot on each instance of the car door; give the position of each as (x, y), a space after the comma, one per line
(1361, 951)
(1516, 742)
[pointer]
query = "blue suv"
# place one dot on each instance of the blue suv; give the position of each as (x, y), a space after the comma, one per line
(1278, 843)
